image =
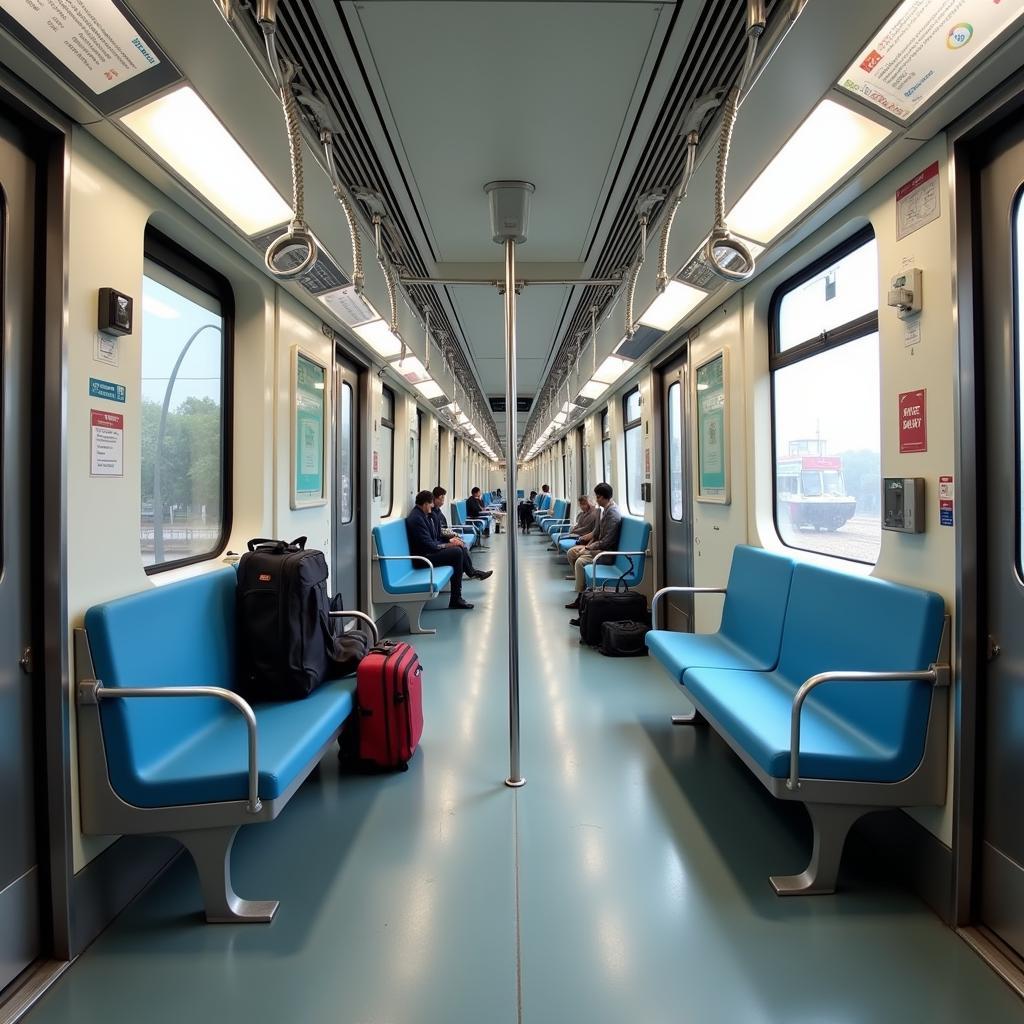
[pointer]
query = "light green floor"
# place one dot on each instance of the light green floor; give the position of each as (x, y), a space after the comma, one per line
(627, 882)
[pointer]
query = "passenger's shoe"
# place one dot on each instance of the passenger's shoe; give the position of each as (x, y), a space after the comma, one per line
(570, 577)
(482, 574)
(459, 604)
(574, 604)
(574, 622)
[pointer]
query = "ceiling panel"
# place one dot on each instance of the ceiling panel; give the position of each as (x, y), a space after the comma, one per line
(480, 91)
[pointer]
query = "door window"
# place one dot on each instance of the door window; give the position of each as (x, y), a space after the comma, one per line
(633, 433)
(387, 450)
(675, 451)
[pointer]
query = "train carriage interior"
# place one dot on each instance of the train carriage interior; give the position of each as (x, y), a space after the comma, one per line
(511, 511)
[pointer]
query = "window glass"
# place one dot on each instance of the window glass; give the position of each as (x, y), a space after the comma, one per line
(634, 451)
(836, 295)
(606, 449)
(418, 475)
(826, 424)
(387, 450)
(346, 453)
(183, 423)
(675, 451)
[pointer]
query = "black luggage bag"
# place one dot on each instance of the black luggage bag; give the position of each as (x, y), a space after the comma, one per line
(286, 642)
(623, 639)
(600, 606)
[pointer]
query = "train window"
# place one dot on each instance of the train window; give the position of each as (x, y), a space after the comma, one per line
(185, 420)
(346, 457)
(606, 449)
(387, 450)
(419, 450)
(633, 434)
(675, 450)
(825, 405)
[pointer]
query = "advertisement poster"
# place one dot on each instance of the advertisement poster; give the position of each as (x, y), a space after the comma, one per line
(309, 415)
(914, 421)
(91, 38)
(712, 430)
(921, 47)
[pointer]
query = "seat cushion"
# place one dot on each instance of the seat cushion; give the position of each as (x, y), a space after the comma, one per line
(212, 764)
(754, 709)
(605, 573)
(755, 604)
(681, 651)
(417, 581)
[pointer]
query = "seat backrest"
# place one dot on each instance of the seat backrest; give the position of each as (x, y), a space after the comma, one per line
(459, 513)
(487, 499)
(543, 501)
(634, 535)
(559, 511)
(392, 539)
(755, 602)
(837, 622)
(178, 634)
(520, 493)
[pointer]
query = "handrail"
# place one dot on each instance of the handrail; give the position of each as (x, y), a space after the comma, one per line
(93, 690)
(363, 617)
(935, 673)
(411, 558)
(679, 590)
(616, 554)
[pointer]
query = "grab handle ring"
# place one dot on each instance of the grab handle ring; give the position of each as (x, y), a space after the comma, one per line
(722, 239)
(297, 234)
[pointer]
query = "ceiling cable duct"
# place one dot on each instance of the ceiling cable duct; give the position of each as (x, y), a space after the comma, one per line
(297, 234)
(722, 246)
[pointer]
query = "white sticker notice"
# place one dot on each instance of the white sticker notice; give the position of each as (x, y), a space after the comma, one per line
(106, 443)
(917, 201)
(922, 46)
(91, 38)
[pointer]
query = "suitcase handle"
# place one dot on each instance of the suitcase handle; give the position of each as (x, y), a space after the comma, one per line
(277, 546)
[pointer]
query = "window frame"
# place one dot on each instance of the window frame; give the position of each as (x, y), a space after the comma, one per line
(852, 330)
(606, 437)
(419, 448)
(1017, 313)
(627, 426)
(387, 423)
(668, 452)
(176, 260)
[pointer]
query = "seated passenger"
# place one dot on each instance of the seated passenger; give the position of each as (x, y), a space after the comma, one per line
(604, 538)
(423, 540)
(452, 537)
(475, 508)
(586, 522)
(526, 507)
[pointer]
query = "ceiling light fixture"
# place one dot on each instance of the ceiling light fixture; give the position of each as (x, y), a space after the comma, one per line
(672, 305)
(185, 133)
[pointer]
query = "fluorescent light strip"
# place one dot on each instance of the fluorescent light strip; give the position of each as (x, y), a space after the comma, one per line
(612, 369)
(378, 336)
(672, 305)
(429, 389)
(829, 144)
(185, 133)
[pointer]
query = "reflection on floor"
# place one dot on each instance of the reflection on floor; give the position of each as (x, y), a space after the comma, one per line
(628, 881)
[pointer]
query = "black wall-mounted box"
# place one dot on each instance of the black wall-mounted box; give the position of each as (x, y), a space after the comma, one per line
(115, 312)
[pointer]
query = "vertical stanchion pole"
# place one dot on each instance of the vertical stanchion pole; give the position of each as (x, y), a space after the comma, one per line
(515, 777)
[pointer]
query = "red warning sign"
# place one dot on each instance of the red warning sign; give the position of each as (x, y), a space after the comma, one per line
(914, 421)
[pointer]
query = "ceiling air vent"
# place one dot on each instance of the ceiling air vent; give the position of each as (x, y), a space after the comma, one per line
(644, 338)
(498, 403)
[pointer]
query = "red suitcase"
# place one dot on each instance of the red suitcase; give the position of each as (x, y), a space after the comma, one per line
(389, 705)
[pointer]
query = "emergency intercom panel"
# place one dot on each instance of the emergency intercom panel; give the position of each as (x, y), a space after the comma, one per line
(903, 504)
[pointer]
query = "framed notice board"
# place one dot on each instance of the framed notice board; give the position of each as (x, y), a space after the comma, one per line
(711, 400)
(309, 419)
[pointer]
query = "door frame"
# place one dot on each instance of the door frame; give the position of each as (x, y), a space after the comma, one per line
(360, 482)
(970, 645)
(48, 418)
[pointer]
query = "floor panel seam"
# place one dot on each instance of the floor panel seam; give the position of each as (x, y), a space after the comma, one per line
(519, 918)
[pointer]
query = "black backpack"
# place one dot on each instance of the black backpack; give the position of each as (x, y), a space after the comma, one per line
(624, 639)
(287, 643)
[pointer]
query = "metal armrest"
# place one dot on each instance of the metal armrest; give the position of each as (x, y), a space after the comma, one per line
(362, 617)
(938, 674)
(412, 558)
(562, 534)
(678, 590)
(615, 554)
(92, 691)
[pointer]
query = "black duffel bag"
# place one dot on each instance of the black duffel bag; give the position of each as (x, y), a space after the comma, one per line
(287, 643)
(623, 639)
(600, 606)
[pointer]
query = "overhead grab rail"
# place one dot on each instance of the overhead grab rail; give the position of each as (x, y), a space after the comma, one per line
(297, 233)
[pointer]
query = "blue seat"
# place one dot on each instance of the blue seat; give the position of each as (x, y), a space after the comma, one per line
(557, 518)
(851, 731)
(542, 504)
(399, 574)
(471, 528)
(180, 765)
(634, 536)
(750, 633)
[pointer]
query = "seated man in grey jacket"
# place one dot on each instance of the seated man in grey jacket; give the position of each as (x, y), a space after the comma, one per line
(605, 537)
(586, 523)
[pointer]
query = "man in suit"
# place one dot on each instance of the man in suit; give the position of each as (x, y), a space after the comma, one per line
(475, 509)
(423, 540)
(604, 538)
(444, 533)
